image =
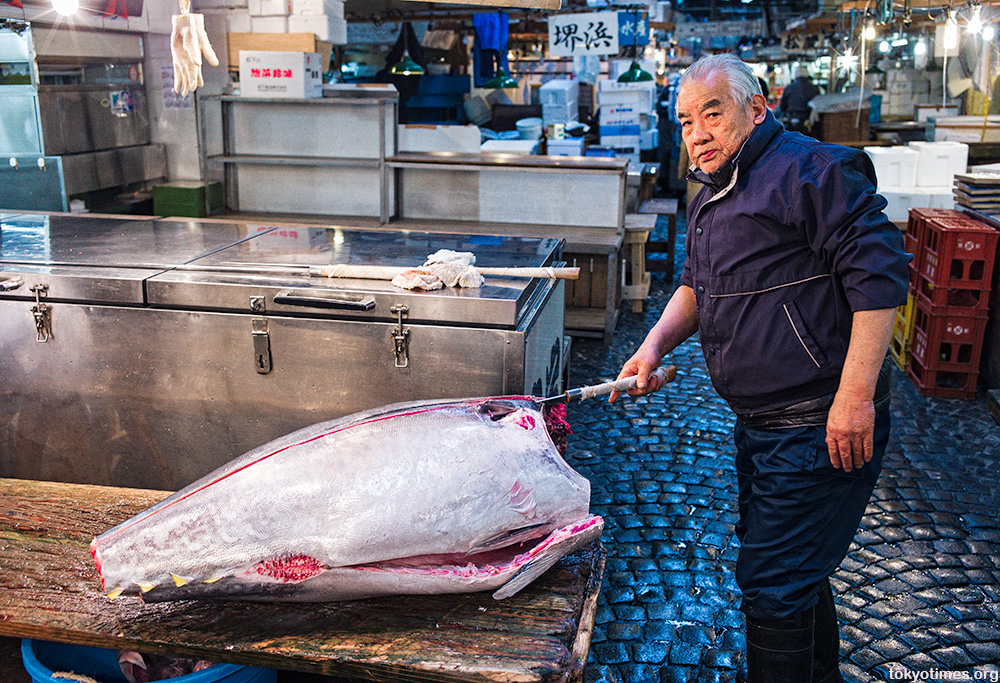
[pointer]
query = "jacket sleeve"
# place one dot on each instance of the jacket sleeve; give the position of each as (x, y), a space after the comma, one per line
(843, 219)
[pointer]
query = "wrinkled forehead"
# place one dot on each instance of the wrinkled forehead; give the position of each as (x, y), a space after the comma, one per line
(703, 92)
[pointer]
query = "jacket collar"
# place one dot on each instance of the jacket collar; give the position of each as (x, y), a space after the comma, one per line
(747, 154)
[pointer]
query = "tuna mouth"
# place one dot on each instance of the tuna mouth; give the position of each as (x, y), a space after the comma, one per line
(493, 562)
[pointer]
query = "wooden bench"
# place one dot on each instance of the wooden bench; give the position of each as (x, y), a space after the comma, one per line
(50, 590)
(668, 208)
(637, 230)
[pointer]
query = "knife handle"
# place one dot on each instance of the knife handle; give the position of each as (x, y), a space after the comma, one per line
(664, 374)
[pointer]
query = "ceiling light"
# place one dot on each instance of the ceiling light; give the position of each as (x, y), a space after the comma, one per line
(66, 7)
(899, 42)
(988, 33)
(635, 74)
(950, 32)
(869, 33)
(975, 24)
(920, 48)
(883, 47)
(406, 66)
(500, 80)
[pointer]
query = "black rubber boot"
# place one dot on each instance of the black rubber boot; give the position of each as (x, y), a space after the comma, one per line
(781, 650)
(826, 639)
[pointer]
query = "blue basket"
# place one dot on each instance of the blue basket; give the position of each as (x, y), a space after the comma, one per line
(42, 658)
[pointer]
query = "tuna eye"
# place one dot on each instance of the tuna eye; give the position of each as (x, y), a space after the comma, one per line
(496, 411)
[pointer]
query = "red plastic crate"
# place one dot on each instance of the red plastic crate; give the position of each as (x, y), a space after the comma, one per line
(913, 240)
(942, 383)
(946, 342)
(952, 300)
(958, 253)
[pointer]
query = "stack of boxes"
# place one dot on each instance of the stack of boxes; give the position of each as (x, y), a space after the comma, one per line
(950, 281)
(323, 18)
(919, 175)
(627, 117)
(560, 100)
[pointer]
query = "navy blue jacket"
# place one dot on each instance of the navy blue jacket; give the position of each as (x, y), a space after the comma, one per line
(784, 244)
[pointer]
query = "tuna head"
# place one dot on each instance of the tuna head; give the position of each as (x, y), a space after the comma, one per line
(430, 497)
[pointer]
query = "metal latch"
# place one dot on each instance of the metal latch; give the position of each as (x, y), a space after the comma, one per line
(11, 285)
(401, 337)
(42, 313)
(261, 345)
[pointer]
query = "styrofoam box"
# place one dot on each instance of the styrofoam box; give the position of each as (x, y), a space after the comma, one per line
(560, 92)
(328, 28)
(649, 139)
(618, 116)
(902, 199)
(560, 113)
(894, 166)
(268, 24)
(280, 74)
(511, 146)
(333, 8)
(268, 8)
(940, 161)
(641, 94)
(567, 147)
(617, 141)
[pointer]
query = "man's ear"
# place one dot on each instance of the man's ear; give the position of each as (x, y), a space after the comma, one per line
(759, 107)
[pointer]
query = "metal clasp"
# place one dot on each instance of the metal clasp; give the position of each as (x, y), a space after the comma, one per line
(261, 345)
(42, 313)
(11, 285)
(401, 337)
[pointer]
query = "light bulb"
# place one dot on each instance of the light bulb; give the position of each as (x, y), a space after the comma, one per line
(975, 24)
(883, 46)
(950, 32)
(988, 33)
(920, 48)
(870, 31)
(66, 7)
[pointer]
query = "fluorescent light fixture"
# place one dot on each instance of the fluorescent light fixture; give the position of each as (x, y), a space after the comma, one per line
(899, 42)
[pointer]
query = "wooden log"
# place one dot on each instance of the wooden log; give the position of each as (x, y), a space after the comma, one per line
(50, 590)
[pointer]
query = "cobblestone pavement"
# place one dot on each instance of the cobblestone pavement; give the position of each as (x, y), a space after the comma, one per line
(918, 594)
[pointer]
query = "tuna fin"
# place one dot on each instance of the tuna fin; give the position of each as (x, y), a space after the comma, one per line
(115, 592)
(145, 586)
(548, 556)
(215, 578)
(180, 580)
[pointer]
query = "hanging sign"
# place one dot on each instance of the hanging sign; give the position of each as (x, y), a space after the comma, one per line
(633, 28)
(576, 35)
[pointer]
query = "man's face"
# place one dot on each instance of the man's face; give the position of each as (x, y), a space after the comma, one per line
(713, 125)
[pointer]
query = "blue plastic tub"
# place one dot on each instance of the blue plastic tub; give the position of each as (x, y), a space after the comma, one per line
(42, 658)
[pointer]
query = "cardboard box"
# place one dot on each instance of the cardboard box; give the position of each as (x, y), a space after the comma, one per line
(276, 42)
(280, 74)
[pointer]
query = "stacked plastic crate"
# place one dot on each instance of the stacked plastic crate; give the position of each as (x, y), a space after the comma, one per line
(950, 282)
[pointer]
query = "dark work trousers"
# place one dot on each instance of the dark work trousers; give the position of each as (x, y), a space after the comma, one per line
(798, 516)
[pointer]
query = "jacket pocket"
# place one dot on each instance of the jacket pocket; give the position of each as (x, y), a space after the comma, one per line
(804, 336)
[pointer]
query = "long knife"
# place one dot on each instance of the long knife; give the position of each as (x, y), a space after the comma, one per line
(664, 374)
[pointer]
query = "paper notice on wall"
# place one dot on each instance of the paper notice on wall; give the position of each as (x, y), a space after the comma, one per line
(171, 99)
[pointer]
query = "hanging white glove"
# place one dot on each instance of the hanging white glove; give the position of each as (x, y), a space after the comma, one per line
(187, 43)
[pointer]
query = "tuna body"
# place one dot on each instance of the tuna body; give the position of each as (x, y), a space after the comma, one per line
(429, 497)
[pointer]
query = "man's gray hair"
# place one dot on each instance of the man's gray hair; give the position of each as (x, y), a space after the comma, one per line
(743, 84)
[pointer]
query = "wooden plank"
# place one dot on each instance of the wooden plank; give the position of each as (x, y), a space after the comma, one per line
(51, 591)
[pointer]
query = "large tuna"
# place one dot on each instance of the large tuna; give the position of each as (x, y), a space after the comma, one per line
(428, 497)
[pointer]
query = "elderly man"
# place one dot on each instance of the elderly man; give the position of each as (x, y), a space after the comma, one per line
(791, 278)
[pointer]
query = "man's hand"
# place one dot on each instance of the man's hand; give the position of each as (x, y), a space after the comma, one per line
(643, 363)
(188, 42)
(850, 430)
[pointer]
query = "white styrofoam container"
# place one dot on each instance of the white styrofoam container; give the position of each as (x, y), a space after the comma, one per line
(940, 161)
(268, 8)
(328, 28)
(567, 147)
(238, 21)
(902, 199)
(511, 146)
(280, 74)
(894, 166)
(641, 95)
(619, 116)
(559, 92)
(269, 24)
(617, 141)
(649, 139)
(333, 8)
(560, 113)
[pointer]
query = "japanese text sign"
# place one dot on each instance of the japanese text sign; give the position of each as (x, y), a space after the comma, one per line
(633, 28)
(575, 35)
